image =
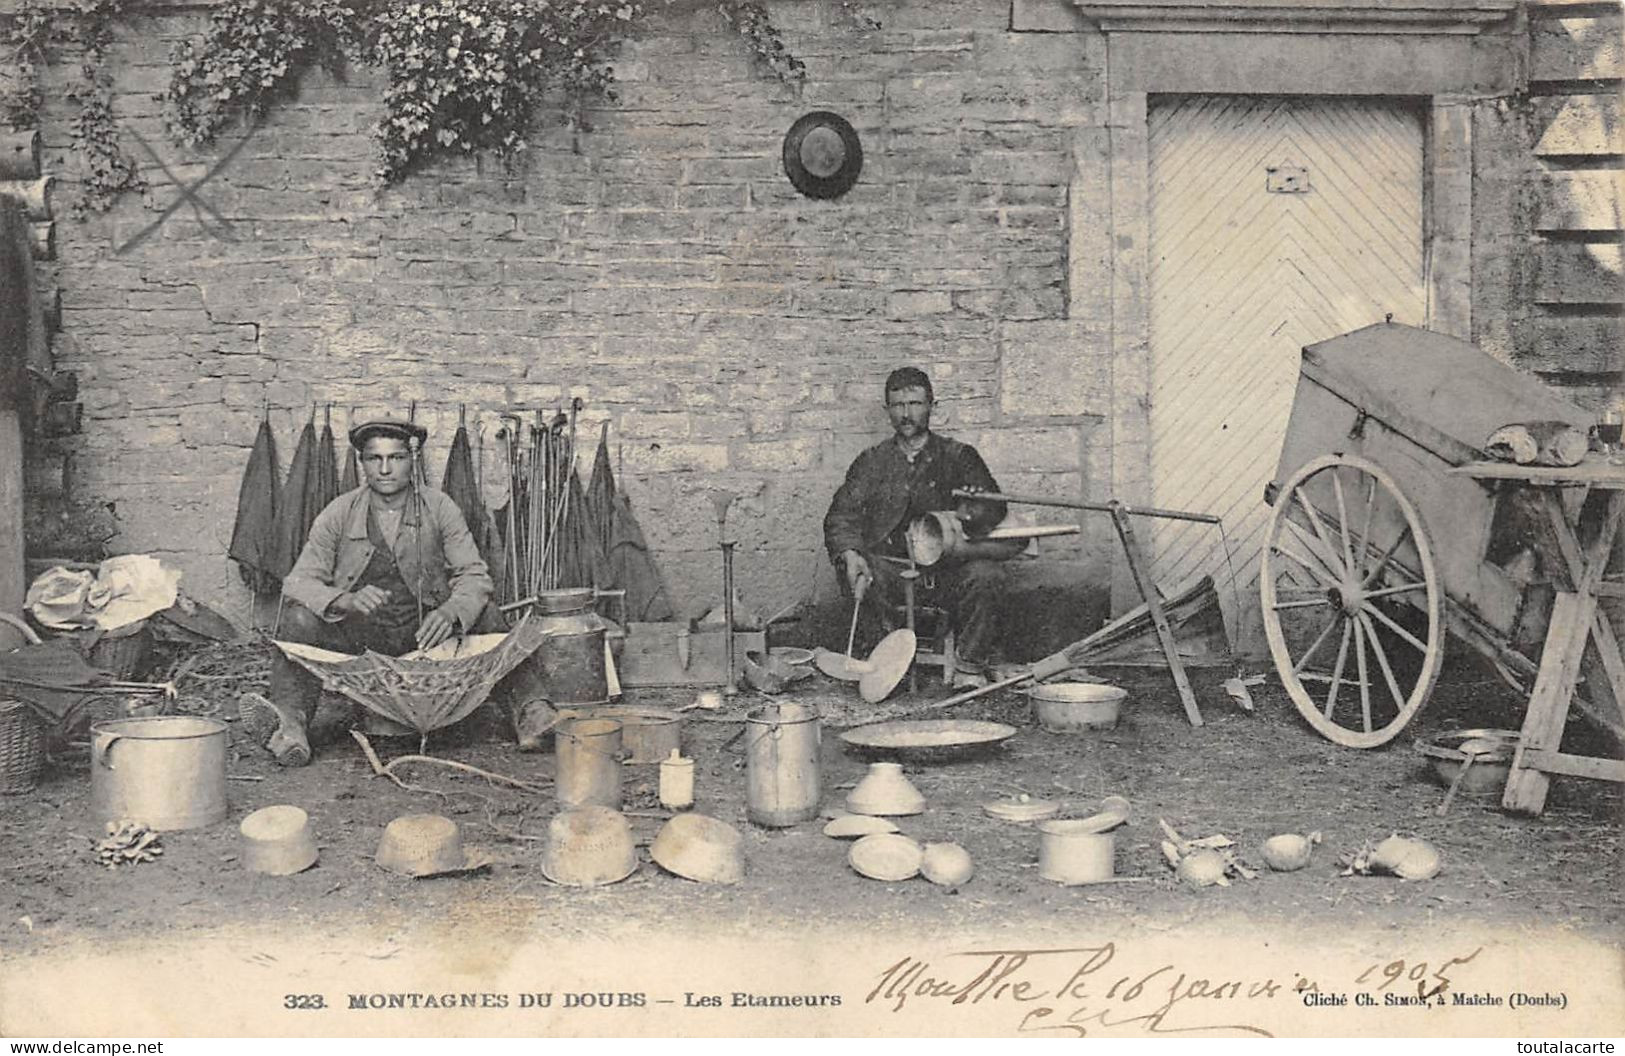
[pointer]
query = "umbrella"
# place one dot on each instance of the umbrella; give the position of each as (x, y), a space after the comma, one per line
(54, 679)
(633, 568)
(257, 501)
(582, 561)
(348, 480)
(462, 486)
(299, 506)
(424, 691)
(327, 468)
(601, 492)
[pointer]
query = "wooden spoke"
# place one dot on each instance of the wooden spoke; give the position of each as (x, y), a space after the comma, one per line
(1337, 671)
(1365, 529)
(1382, 662)
(1315, 520)
(1324, 562)
(1404, 635)
(1365, 679)
(1299, 561)
(1314, 568)
(1319, 641)
(1343, 520)
(1388, 555)
(1399, 588)
(1307, 603)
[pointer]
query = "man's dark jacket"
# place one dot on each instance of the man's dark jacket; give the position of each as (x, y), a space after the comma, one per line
(874, 500)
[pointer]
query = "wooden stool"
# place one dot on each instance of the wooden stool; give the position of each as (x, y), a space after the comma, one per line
(934, 647)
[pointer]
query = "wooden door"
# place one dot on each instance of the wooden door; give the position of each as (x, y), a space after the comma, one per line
(1275, 222)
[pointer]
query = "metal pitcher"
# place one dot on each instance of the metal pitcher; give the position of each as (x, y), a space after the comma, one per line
(782, 742)
(168, 771)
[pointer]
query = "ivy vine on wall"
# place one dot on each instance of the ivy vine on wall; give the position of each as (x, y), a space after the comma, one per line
(37, 33)
(462, 75)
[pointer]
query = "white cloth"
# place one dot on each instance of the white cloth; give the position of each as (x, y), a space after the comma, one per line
(124, 590)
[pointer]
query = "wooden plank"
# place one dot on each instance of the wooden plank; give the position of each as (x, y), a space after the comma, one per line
(1576, 49)
(1159, 618)
(1578, 201)
(1577, 344)
(13, 587)
(1551, 761)
(1549, 702)
(1579, 126)
(1580, 273)
(1594, 472)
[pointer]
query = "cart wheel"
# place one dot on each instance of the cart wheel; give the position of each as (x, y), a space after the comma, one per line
(1351, 601)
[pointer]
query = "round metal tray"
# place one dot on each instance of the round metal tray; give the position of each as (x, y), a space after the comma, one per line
(935, 740)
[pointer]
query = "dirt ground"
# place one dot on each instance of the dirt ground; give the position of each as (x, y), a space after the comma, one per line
(1247, 776)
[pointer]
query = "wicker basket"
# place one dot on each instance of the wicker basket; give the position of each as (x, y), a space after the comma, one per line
(22, 748)
(123, 650)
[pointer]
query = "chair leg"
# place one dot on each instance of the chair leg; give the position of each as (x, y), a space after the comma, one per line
(949, 659)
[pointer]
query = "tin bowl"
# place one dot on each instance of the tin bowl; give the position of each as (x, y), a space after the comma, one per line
(1490, 752)
(1072, 707)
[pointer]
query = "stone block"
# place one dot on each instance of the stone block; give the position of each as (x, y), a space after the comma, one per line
(1059, 368)
(915, 304)
(799, 454)
(1053, 448)
(676, 458)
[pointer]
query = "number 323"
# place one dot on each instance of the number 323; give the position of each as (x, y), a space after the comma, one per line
(303, 1002)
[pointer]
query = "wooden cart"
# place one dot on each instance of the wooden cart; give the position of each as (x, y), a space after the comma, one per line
(1389, 529)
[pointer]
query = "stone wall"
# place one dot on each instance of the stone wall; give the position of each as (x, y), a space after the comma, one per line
(660, 266)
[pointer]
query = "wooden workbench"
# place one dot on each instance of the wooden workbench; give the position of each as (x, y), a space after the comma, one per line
(1576, 623)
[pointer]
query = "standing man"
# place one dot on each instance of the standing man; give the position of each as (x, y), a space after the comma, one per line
(912, 473)
(390, 567)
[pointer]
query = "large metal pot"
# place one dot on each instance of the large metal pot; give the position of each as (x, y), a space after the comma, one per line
(168, 772)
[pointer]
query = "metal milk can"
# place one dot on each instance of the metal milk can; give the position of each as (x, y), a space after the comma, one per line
(781, 764)
(572, 654)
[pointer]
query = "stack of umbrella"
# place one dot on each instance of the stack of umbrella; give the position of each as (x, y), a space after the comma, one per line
(461, 483)
(274, 519)
(558, 534)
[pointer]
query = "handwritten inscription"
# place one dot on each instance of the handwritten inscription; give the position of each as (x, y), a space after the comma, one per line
(1080, 990)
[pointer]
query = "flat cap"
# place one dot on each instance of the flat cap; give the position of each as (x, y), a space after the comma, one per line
(387, 427)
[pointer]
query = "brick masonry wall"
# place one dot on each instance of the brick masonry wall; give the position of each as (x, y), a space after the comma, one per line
(660, 267)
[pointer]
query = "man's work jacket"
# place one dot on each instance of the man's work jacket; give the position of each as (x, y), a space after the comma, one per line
(882, 492)
(337, 552)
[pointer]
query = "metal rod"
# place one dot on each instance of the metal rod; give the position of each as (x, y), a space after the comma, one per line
(728, 616)
(1080, 504)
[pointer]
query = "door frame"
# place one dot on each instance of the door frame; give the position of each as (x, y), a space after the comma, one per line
(1447, 54)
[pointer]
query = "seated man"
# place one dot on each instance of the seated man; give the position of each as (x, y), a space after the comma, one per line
(912, 473)
(389, 567)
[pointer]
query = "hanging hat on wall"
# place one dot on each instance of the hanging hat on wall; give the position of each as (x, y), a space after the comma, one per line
(822, 155)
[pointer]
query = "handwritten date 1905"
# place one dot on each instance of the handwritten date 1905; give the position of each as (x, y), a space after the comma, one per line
(1081, 990)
